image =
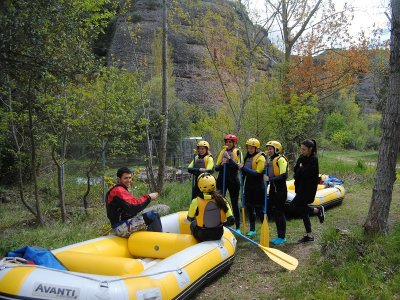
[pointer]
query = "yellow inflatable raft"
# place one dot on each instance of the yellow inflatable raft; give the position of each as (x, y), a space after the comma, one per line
(148, 265)
(327, 195)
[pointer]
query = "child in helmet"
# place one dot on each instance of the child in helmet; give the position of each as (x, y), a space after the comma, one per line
(202, 163)
(253, 170)
(228, 176)
(209, 212)
(276, 175)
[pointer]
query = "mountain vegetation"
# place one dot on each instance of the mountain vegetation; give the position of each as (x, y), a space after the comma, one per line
(82, 80)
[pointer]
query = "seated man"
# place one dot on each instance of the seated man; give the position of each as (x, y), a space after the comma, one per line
(122, 207)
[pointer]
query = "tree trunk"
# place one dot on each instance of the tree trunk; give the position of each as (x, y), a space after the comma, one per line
(377, 219)
(164, 129)
(18, 146)
(85, 196)
(60, 183)
(33, 162)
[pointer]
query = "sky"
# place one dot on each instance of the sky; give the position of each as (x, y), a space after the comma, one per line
(366, 13)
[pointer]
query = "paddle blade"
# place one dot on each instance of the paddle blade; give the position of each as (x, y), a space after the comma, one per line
(264, 236)
(281, 258)
(243, 223)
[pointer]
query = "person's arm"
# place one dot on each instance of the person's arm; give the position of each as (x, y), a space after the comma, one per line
(232, 163)
(282, 164)
(129, 203)
(194, 171)
(192, 210)
(210, 165)
(230, 220)
(259, 171)
(314, 169)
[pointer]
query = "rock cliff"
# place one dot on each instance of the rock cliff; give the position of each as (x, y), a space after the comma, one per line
(195, 81)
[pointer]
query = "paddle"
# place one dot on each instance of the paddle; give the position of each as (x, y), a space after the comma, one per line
(223, 180)
(243, 223)
(223, 170)
(281, 258)
(264, 236)
(193, 176)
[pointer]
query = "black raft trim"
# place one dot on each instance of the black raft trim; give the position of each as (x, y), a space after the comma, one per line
(5, 296)
(207, 277)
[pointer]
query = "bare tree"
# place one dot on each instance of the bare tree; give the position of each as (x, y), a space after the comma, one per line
(377, 219)
(164, 109)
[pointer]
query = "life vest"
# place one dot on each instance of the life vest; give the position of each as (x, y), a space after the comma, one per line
(201, 162)
(209, 214)
(275, 164)
(254, 161)
(234, 154)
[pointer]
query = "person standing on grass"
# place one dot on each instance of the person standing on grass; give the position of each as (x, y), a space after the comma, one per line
(123, 208)
(228, 176)
(202, 163)
(253, 171)
(209, 212)
(277, 170)
(306, 179)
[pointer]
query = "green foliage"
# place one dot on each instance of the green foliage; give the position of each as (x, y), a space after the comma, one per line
(109, 111)
(342, 138)
(359, 264)
(345, 126)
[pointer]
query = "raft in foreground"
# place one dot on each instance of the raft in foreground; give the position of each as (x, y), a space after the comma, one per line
(148, 265)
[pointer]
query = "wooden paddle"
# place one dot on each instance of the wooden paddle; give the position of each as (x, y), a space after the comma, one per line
(281, 258)
(264, 236)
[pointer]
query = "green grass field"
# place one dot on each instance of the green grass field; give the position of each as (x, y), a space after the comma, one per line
(341, 264)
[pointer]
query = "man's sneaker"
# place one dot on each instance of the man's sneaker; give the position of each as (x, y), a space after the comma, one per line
(278, 241)
(321, 214)
(306, 239)
(251, 233)
(238, 230)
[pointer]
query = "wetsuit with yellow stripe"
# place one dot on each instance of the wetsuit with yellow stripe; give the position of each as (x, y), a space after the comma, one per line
(232, 183)
(277, 169)
(253, 172)
(200, 162)
(208, 219)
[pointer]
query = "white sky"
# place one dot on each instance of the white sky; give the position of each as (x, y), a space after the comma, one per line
(366, 14)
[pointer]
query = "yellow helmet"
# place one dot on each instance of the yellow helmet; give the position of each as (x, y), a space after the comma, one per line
(253, 142)
(206, 183)
(203, 144)
(277, 146)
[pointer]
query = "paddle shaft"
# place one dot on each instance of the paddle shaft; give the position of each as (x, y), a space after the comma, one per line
(224, 180)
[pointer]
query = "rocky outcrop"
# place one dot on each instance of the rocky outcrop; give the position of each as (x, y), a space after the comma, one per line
(195, 81)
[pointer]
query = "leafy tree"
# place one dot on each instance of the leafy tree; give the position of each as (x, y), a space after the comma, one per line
(235, 50)
(377, 219)
(107, 118)
(43, 40)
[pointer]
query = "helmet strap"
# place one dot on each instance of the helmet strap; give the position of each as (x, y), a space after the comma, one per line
(206, 196)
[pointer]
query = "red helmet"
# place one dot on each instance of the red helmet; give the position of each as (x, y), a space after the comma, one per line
(231, 137)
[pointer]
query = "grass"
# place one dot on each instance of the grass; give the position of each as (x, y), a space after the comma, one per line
(341, 264)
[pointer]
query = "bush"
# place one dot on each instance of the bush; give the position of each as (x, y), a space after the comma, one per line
(343, 138)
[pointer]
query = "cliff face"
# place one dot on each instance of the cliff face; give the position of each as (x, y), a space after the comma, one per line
(195, 81)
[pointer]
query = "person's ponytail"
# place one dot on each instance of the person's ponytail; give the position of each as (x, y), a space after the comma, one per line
(310, 143)
(219, 199)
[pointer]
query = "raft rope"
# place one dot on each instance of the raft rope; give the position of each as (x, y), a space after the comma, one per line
(102, 283)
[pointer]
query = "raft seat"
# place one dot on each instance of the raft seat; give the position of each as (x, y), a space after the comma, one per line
(99, 264)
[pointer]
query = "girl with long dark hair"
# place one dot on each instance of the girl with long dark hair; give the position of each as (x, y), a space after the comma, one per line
(306, 179)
